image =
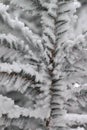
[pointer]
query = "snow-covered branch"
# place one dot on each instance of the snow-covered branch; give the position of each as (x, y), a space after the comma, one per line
(17, 44)
(14, 43)
(18, 68)
(78, 119)
(18, 25)
(7, 107)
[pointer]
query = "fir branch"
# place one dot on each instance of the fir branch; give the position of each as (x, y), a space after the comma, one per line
(7, 107)
(19, 123)
(15, 43)
(18, 68)
(16, 24)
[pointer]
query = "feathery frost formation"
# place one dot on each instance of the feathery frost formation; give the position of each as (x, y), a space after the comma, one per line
(43, 65)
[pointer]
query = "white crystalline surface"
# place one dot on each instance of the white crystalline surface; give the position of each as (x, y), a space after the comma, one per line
(43, 64)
